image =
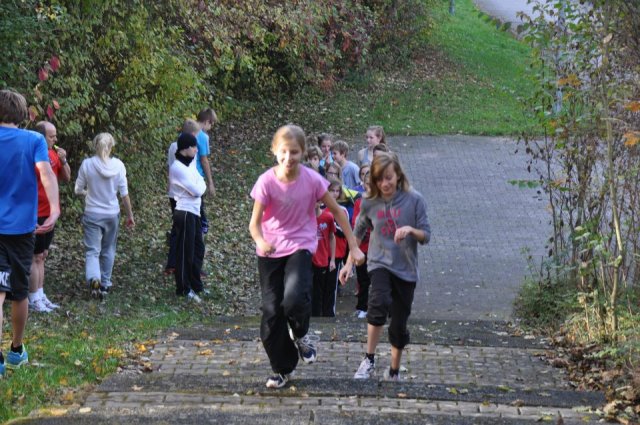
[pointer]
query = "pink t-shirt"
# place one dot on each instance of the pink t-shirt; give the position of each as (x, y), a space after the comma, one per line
(289, 219)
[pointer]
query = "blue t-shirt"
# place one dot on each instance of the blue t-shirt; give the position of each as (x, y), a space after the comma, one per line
(350, 175)
(203, 150)
(20, 150)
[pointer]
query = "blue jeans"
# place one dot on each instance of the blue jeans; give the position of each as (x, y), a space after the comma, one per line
(100, 238)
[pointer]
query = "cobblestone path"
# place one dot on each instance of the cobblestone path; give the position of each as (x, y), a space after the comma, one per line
(464, 364)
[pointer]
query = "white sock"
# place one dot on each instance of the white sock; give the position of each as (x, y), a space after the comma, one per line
(40, 292)
(33, 297)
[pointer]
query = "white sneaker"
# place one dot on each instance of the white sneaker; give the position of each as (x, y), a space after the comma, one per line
(46, 301)
(366, 369)
(361, 314)
(39, 306)
(193, 297)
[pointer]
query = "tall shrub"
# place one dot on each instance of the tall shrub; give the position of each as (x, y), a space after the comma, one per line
(588, 162)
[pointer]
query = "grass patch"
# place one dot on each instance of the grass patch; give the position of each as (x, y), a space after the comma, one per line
(545, 306)
(469, 78)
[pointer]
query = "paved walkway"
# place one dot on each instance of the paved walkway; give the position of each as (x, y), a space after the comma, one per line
(480, 222)
(464, 364)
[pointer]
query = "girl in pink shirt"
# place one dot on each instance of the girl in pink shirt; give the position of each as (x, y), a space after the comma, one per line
(283, 226)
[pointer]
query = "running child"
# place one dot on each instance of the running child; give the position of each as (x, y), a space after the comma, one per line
(397, 217)
(283, 226)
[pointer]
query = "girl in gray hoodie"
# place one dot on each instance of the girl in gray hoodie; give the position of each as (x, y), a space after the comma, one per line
(100, 179)
(397, 216)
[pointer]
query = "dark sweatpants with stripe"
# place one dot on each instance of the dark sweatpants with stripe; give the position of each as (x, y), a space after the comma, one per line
(189, 251)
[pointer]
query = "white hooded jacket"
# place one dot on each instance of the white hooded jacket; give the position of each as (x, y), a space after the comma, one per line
(101, 181)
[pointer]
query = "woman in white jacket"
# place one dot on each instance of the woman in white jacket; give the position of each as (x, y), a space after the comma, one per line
(100, 179)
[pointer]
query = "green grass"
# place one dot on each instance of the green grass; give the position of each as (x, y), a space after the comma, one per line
(470, 79)
(466, 80)
(71, 352)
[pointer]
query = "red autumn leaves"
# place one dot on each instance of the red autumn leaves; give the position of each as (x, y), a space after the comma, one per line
(43, 75)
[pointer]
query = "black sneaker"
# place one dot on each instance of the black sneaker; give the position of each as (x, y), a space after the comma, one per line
(104, 291)
(277, 381)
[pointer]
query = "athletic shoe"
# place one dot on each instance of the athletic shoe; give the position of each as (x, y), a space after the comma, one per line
(94, 287)
(306, 348)
(366, 369)
(39, 306)
(278, 380)
(2, 370)
(104, 291)
(388, 377)
(15, 360)
(193, 297)
(48, 302)
(361, 314)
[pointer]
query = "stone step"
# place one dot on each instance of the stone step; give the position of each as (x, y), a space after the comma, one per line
(151, 388)
(509, 368)
(181, 409)
(348, 328)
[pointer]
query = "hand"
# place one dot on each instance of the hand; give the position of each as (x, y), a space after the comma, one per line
(265, 247)
(62, 154)
(402, 233)
(211, 190)
(357, 256)
(332, 265)
(130, 224)
(48, 224)
(345, 274)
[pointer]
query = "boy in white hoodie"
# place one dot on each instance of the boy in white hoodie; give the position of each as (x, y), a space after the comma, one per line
(187, 186)
(100, 179)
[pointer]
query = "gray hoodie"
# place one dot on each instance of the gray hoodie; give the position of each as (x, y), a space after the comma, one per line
(101, 181)
(405, 209)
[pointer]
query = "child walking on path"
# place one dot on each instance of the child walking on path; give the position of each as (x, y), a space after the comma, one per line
(283, 226)
(397, 217)
(100, 179)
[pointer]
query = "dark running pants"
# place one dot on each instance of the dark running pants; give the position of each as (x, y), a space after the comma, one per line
(390, 295)
(364, 282)
(323, 301)
(286, 299)
(189, 252)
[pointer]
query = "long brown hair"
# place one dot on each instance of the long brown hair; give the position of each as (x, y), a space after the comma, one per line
(380, 163)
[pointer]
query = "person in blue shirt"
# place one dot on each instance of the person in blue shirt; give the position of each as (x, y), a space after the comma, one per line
(22, 150)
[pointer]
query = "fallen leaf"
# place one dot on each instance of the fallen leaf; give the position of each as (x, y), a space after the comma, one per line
(137, 388)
